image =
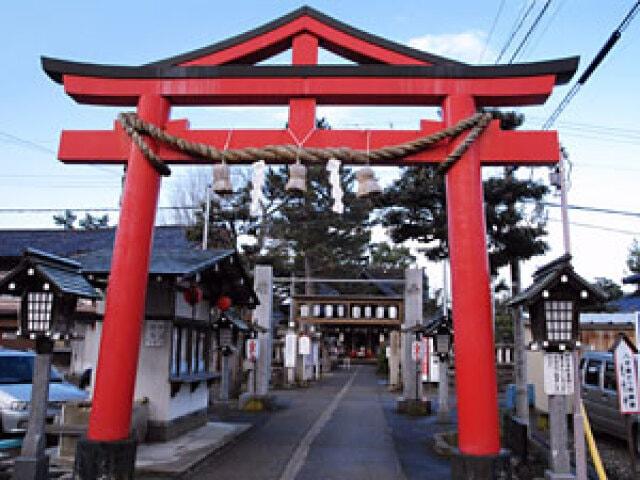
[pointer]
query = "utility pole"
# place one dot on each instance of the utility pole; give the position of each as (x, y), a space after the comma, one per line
(578, 426)
(207, 215)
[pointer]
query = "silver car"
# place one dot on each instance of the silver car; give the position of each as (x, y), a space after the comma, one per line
(16, 373)
(600, 398)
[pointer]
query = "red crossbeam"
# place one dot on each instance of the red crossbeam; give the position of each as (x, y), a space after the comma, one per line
(325, 90)
(495, 146)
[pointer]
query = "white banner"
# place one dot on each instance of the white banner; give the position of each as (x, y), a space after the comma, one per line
(304, 345)
(558, 373)
(290, 344)
(425, 362)
(624, 359)
(252, 349)
(416, 350)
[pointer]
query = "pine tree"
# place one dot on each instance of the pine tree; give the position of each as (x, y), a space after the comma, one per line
(414, 208)
(633, 258)
(306, 230)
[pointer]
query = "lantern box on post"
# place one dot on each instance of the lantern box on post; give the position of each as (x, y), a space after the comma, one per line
(443, 339)
(554, 301)
(49, 287)
(226, 325)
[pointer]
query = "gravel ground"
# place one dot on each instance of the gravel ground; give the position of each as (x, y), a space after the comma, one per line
(615, 458)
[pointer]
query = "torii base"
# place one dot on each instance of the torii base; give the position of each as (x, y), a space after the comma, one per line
(413, 407)
(485, 467)
(110, 460)
(31, 468)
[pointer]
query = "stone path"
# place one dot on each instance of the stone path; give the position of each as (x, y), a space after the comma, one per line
(344, 427)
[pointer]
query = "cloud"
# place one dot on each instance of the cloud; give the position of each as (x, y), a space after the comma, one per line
(465, 46)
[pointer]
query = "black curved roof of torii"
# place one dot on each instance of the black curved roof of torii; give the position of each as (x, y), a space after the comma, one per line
(440, 67)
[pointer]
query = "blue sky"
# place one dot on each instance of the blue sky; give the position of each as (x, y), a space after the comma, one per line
(599, 128)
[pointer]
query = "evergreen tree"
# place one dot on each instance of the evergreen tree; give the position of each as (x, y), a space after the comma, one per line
(67, 220)
(387, 257)
(608, 286)
(305, 230)
(633, 258)
(414, 208)
(90, 222)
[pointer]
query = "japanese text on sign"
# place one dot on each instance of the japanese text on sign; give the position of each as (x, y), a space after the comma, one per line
(558, 373)
(304, 345)
(416, 351)
(252, 349)
(290, 344)
(626, 375)
(426, 359)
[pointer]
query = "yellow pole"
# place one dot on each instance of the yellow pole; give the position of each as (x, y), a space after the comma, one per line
(593, 449)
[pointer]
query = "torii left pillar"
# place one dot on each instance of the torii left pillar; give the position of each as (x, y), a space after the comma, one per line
(108, 451)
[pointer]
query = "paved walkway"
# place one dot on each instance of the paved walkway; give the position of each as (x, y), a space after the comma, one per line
(344, 427)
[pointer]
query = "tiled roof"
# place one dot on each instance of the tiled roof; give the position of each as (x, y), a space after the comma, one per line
(549, 275)
(635, 278)
(63, 275)
(67, 243)
(628, 303)
(164, 261)
(68, 281)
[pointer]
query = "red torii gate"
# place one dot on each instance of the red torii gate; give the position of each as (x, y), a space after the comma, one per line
(386, 73)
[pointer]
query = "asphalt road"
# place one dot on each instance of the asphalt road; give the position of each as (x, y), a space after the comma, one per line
(343, 427)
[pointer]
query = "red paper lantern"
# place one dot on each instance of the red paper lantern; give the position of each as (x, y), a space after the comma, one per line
(224, 303)
(193, 295)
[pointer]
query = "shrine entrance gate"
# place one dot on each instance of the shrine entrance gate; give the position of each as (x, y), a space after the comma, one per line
(386, 73)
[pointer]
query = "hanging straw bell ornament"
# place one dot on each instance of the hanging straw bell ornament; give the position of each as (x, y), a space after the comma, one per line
(222, 179)
(367, 183)
(297, 178)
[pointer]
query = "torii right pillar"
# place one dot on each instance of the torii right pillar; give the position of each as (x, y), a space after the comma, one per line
(477, 393)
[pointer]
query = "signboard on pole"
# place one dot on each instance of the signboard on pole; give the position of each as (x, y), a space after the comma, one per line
(290, 344)
(252, 348)
(558, 373)
(387, 352)
(304, 345)
(424, 364)
(624, 359)
(637, 315)
(416, 350)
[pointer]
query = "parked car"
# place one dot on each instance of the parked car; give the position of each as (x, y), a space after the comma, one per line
(16, 373)
(600, 398)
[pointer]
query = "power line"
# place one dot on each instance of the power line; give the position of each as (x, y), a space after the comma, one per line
(595, 63)
(491, 30)
(7, 137)
(78, 209)
(530, 31)
(515, 31)
(598, 227)
(532, 46)
(595, 209)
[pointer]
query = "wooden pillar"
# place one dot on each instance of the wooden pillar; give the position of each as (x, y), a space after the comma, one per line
(476, 383)
(124, 312)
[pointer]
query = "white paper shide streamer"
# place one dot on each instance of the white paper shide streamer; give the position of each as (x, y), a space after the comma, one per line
(257, 180)
(333, 167)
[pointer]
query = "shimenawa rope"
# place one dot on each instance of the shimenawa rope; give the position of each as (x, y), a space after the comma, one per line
(136, 128)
